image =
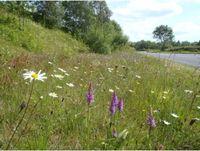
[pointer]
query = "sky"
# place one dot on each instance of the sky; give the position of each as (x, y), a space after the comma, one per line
(138, 18)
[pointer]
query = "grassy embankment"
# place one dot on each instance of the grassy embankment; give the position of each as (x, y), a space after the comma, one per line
(64, 123)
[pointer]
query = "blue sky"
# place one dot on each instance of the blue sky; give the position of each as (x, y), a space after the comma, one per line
(138, 18)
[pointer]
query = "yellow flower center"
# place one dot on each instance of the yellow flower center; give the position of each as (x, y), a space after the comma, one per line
(34, 75)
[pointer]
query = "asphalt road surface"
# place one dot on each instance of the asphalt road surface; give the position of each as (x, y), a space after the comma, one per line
(189, 59)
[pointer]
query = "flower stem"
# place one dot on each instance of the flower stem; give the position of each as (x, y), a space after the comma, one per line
(22, 118)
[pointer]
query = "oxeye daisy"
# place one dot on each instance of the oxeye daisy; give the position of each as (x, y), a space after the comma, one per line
(70, 84)
(34, 76)
(174, 115)
(166, 123)
(53, 94)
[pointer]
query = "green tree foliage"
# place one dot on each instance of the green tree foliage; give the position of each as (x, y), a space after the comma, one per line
(78, 16)
(86, 20)
(164, 34)
(49, 13)
(145, 45)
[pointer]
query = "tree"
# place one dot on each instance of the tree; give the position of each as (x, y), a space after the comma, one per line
(78, 16)
(164, 34)
(49, 13)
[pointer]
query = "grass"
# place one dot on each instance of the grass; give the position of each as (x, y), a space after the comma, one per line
(66, 122)
(62, 123)
(18, 36)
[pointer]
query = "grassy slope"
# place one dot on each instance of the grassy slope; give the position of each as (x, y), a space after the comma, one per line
(61, 123)
(32, 37)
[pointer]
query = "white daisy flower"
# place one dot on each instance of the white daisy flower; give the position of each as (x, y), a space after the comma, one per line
(165, 92)
(41, 97)
(166, 123)
(58, 76)
(111, 90)
(62, 70)
(110, 69)
(123, 134)
(174, 115)
(198, 107)
(34, 76)
(50, 63)
(53, 94)
(59, 87)
(131, 91)
(137, 76)
(188, 91)
(70, 84)
(66, 74)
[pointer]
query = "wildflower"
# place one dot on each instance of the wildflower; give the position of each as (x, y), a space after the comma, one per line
(131, 91)
(70, 84)
(59, 87)
(62, 70)
(53, 94)
(123, 134)
(150, 119)
(66, 74)
(166, 123)
(41, 97)
(114, 103)
(111, 90)
(198, 107)
(121, 105)
(137, 76)
(165, 92)
(90, 96)
(164, 97)
(110, 69)
(50, 63)
(76, 67)
(174, 115)
(137, 83)
(34, 76)
(114, 133)
(156, 111)
(152, 92)
(188, 91)
(58, 76)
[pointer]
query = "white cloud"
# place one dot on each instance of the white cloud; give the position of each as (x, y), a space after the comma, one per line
(147, 8)
(187, 30)
(138, 18)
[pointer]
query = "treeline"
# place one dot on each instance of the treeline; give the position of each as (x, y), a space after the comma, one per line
(86, 20)
(173, 46)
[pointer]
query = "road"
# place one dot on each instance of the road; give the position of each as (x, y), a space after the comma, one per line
(189, 59)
